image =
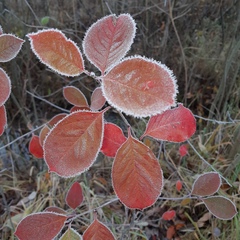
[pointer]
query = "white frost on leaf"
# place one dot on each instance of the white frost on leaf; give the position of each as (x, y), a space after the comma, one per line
(140, 87)
(64, 59)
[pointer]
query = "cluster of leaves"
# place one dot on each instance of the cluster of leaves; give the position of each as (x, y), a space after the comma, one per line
(136, 86)
(204, 188)
(49, 223)
(10, 45)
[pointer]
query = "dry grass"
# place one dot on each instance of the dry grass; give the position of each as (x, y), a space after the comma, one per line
(200, 42)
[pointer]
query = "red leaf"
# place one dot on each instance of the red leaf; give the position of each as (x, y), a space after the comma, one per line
(97, 231)
(10, 45)
(73, 143)
(179, 185)
(74, 96)
(35, 147)
(40, 226)
(174, 125)
(171, 231)
(5, 87)
(136, 175)
(97, 99)
(221, 207)
(112, 140)
(56, 119)
(71, 234)
(55, 210)
(140, 87)
(206, 184)
(74, 196)
(108, 40)
(183, 150)
(57, 52)
(169, 215)
(43, 134)
(3, 119)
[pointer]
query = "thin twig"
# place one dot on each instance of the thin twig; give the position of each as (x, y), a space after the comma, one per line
(46, 101)
(181, 48)
(217, 121)
(89, 211)
(19, 138)
(205, 161)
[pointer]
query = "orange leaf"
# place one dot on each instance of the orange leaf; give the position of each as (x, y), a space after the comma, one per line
(74, 96)
(169, 215)
(73, 143)
(57, 52)
(39, 226)
(10, 45)
(43, 134)
(140, 87)
(74, 196)
(183, 150)
(174, 125)
(35, 147)
(108, 40)
(3, 119)
(112, 140)
(97, 99)
(56, 119)
(97, 231)
(5, 87)
(179, 185)
(136, 175)
(171, 232)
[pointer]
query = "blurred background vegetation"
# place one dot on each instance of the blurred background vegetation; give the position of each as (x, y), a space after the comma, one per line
(198, 39)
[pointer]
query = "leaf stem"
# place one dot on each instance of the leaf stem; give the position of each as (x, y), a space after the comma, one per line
(205, 161)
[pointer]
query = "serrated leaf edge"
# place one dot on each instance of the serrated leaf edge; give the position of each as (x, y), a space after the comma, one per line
(226, 199)
(161, 172)
(5, 116)
(203, 175)
(100, 224)
(10, 86)
(102, 19)
(48, 65)
(160, 139)
(20, 45)
(75, 112)
(168, 70)
(80, 92)
(41, 213)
